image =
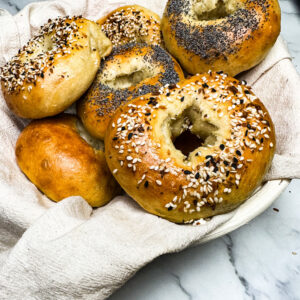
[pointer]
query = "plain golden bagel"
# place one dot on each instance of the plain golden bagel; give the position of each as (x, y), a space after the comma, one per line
(237, 147)
(62, 160)
(220, 35)
(128, 72)
(55, 67)
(132, 24)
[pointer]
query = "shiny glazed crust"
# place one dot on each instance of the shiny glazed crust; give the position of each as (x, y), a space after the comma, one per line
(239, 144)
(132, 24)
(55, 68)
(53, 155)
(130, 71)
(236, 42)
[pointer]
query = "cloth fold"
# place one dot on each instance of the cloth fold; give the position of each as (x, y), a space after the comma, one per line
(69, 250)
(72, 252)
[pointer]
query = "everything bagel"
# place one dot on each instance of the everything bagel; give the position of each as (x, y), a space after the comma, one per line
(238, 142)
(220, 35)
(130, 71)
(132, 24)
(55, 68)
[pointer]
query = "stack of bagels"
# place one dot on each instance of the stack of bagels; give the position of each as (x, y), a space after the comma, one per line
(159, 113)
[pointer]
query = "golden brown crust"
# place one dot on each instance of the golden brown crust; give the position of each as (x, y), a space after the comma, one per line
(55, 68)
(214, 178)
(234, 43)
(132, 24)
(60, 163)
(130, 71)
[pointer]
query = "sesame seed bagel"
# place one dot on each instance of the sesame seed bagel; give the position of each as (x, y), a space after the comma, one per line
(55, 67)
(237, 148)
(132, 24)
(220, 35)
(130, 71)
(67, 161)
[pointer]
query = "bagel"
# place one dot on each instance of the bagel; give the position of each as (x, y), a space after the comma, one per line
(220, 35)
(130, 71)
(55, 67)
(238, 142)
(62, 160)
(132, 24)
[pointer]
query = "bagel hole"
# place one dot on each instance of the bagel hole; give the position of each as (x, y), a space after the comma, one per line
(48, 44)
(123, 81)
(187, 142)
(42, 47)
(190, 131)
(206, 10)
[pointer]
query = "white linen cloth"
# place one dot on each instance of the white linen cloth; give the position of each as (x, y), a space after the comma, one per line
(73, 252)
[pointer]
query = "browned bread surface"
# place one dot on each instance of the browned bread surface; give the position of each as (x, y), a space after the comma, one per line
(61, 163)
(220, 35)
(129, 71)
(238, 143)
(132, 24)
(55, 68)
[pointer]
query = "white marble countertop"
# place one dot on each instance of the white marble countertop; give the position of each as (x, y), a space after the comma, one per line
(261, 260)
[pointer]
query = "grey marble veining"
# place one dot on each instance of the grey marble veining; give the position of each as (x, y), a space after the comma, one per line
(290, 28)
(13, 6)
(261, 260)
